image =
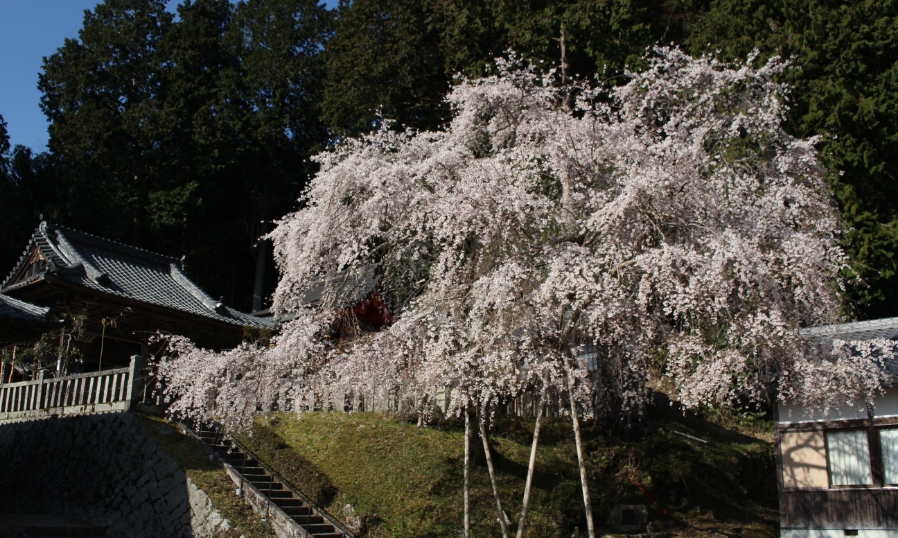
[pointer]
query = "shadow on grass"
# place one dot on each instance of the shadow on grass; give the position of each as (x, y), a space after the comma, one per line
(304, 475)
(730, 478)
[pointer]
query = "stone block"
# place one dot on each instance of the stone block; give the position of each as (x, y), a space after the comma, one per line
(629, 518)
(123, 480)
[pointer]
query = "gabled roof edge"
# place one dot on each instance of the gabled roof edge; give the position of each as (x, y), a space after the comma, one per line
(19, 263)
(194, 290)
(842, 329)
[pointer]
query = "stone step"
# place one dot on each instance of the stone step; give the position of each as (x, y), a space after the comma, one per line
(236, 460)
(298, 511)
(264, 486)
(306, 520)
(320, 528)
(252, 472)
(276, 493)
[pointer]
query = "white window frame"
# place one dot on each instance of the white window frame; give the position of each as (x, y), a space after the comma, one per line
(848, 458)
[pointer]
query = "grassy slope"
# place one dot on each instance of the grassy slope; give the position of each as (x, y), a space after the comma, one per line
(408, 481)
(212, 479)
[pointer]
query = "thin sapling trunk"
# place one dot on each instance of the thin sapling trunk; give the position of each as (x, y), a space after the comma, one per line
(532, 466)
(489, 465)
(583, 481)
(467, 473)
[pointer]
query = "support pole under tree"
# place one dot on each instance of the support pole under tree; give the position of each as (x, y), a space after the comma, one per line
(583, 480)
(467, 473)
(532, 466)
(489, 465)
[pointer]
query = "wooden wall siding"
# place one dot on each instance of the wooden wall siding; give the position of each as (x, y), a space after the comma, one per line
(840, 509)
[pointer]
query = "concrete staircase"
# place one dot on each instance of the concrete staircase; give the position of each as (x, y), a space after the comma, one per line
(263, 486)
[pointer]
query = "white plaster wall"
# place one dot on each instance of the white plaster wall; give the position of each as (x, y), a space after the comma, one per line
(837, 533)
(887, 404)
(796, 413)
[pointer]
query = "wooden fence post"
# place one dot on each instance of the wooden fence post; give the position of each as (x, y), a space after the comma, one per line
(134, 371)
(39, 392)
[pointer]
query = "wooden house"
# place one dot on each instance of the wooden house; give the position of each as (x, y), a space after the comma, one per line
(121, 295)
(838, 472)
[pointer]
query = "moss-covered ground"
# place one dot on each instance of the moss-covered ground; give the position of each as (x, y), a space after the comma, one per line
(209, 477)
(405, 481)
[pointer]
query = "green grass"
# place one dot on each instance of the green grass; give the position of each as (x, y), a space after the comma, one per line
(212, 479)
(407, 481)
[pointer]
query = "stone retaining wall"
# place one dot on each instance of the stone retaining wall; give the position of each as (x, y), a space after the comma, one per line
(104, 470)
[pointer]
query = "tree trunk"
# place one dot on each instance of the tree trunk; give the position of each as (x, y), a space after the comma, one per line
(581, 463)
(421, 409)
(261, 256)
(467, 473)
(489, 465)
(532, 466)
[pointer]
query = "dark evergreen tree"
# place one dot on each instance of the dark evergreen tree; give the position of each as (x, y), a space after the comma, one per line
(10, 202)
(279, 43)
(184, 136)
(845, 79)
(100, 93)
(399, 56)
(29, 188)
(384, 59)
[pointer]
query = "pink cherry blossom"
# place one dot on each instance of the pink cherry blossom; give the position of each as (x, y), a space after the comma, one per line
(672, 222)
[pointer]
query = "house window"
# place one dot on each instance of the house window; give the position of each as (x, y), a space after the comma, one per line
(849, 458)
(591, 357)
(888, 440)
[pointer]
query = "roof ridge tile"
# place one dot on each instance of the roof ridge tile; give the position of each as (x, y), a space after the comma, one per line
(98, 241)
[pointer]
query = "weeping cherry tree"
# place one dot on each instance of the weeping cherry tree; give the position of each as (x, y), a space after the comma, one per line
(671, 223)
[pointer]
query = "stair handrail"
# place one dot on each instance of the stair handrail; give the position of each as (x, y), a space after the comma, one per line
(312, 505)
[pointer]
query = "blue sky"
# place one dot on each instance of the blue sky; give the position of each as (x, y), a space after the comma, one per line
(30, 30)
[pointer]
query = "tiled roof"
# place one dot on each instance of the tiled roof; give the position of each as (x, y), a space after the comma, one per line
(350, 287)
(21, 311)
(862, 330)
(136, 274)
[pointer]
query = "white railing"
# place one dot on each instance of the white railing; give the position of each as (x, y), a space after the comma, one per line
(107, 390)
